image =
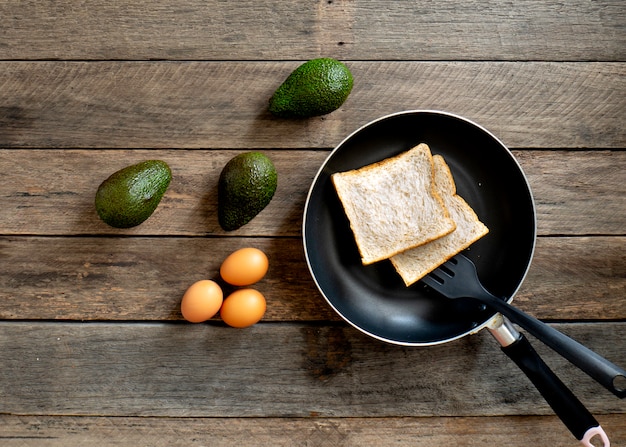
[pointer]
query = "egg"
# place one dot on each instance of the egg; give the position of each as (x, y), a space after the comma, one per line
(243, 308)
(244, 267)
(201, 301)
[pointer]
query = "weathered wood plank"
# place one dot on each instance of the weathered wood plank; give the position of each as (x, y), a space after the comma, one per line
(512, 431)
(224, 104)
(252, 30)
(141, 278)
(274, 370)
(577, 278)
(51, 192)
(145, 278)
(575, 187)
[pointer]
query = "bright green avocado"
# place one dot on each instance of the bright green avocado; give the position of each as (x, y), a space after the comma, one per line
(246, 186)
(130, 195)
(316, 87)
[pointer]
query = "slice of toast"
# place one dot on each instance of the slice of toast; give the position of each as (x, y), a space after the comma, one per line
(413, 264)
(393, 205)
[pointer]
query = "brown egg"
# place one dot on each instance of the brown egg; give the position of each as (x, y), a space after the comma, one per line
(243, 308)
(201, 301)
(244, 267)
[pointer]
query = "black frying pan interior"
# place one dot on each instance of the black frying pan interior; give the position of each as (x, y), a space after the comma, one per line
(374, 298)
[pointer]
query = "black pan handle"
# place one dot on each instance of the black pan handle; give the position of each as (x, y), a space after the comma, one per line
(565, 404)
(596, 366)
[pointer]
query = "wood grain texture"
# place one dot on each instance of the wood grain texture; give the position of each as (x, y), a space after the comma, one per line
(138, 279)
(252, 30)
(571, 187)
(51, 192)
(224, 104)
(579, 278)
(93, 349)
(512, 431)
(275, 370)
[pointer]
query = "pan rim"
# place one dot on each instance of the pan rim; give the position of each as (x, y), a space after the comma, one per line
(338, 147)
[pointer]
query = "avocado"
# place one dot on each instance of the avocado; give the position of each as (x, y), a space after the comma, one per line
(130, 195)
(316, 87)
(246, 186)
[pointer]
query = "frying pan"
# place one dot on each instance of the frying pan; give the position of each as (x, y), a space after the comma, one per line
(374, 299)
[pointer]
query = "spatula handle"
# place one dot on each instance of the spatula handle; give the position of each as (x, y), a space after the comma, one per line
(596, 366)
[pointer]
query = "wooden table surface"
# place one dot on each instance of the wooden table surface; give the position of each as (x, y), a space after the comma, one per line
(93, 347)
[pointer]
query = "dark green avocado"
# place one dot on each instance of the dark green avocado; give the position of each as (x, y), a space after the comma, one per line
(246, 186)
(316, 87)
(129, 196)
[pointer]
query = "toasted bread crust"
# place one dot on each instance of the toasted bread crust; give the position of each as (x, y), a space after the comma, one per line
(414, 264)
(393, 205)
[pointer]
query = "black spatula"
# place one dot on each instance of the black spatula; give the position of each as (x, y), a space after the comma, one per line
(457, 278)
